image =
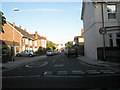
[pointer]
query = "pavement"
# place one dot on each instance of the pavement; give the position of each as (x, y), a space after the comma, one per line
(100, 63)
(20, 62)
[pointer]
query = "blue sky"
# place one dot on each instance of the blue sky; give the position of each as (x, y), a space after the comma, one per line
(58, 21)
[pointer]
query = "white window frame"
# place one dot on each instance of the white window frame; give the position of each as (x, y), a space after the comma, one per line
(26, 41)
(111, 12)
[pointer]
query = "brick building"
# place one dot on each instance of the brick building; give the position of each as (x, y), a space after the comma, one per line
(15, 36)
(40, 40)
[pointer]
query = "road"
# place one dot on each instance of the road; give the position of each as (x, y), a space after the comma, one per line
(60, 72)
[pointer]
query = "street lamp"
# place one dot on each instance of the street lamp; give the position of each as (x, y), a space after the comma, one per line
(13, 48)
(103, 25)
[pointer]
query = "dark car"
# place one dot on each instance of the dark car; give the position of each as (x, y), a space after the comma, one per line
(71, 51)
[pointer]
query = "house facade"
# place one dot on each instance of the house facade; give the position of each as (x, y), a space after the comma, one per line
(40, 41)
(11, 37)
(96, 15)
(15, 36)
(79, 42)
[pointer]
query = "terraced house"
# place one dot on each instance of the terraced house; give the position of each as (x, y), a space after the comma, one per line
(40, 41)
(15, 36)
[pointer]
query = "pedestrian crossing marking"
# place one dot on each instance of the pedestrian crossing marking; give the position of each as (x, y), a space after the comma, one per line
(62, 72)
(107, 71)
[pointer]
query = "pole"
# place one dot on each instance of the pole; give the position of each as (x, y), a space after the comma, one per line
(13, 48)
(104, 51)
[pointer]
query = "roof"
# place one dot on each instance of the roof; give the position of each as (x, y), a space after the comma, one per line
(95, 1)
(4, 42)
(23, 32)
(38, 36)
(78, 37)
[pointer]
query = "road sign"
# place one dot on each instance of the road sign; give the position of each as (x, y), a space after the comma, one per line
(102, 30)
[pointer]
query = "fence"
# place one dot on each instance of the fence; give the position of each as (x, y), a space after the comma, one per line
(112, 54)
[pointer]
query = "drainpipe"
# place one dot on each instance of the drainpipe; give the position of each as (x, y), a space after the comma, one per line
(104, 51)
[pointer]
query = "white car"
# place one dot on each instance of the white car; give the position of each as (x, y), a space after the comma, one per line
(26, 53)
(50, 52)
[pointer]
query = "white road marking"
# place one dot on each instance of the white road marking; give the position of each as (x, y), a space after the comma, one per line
(92, 72)
(78, 72)
(107, 71)
(59, 65)
(20, 76)
(53, 61)
(30, 66)
(62, 72)
(48, 73)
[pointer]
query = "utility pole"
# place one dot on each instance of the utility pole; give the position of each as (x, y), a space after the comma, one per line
(13, 47)
(104, 51)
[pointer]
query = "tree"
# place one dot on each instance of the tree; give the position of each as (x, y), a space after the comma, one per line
(2, 20)
(50, 45)
(69, 44)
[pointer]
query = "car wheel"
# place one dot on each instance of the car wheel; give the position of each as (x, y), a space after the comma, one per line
(18, 55)
(76, 55)
(30, 55)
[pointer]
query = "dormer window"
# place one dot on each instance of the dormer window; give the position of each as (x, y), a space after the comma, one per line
(111, 9)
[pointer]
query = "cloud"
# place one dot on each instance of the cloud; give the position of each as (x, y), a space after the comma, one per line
(43, 10)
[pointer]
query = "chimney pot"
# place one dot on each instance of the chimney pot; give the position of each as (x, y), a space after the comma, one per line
(20, 26)
(36, 32)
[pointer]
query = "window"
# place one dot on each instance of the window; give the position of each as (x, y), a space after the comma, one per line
(26, 41)
(111, 43)
(118, 35)
(111, 9)
(110, 40)
(35, 43)
(30, 42)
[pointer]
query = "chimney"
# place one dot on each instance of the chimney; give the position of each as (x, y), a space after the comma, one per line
(25, 29)
(20, 26)
(36, 34)
(13, 23)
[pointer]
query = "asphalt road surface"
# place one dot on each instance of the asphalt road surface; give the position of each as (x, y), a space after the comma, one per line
(61, 72)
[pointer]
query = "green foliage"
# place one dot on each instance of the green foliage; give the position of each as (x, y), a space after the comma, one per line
(3, 18)
(69, 44)
(40, 51)
(50, 45)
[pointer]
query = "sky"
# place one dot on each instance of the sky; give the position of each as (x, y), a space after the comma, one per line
(60, 22)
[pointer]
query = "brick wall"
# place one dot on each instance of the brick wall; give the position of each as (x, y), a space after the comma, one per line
(9, 36)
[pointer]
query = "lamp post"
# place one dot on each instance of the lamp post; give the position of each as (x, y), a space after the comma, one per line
(13, 48)
(104, 51)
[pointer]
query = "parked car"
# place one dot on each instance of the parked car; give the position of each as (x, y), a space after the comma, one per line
(71, 51)
(50, 52)
(26, 53)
